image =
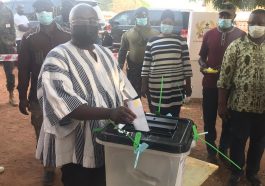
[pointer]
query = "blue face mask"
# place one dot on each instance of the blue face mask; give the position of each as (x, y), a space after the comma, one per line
(225, 23)
(141, 21)
(45, 18)
(166, 29)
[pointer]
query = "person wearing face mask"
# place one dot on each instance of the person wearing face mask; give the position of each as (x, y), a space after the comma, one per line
(80, 88)
(242, 98)
(35, 45)
(214, 44)
(133, 45)
(21, 24)
(167, 56)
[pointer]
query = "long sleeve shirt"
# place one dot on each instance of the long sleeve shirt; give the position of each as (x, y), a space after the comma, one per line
(35, 45)
(7, 28)
(133, 43)
(243, 75)
(212, 51)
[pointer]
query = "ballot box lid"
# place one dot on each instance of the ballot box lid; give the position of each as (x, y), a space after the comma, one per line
(167, 134)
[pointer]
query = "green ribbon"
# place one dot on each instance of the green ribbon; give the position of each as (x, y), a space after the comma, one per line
(137, 140)
(197, 137)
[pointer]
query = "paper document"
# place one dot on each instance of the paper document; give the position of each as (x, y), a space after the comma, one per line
(140, 123)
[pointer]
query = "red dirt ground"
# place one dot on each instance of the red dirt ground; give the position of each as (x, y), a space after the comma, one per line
(17, 146)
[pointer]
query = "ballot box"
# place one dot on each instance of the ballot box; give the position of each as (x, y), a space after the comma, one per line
(162, 164)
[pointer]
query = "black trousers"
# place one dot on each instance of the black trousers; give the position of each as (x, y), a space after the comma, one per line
(243, 126)
(134, 76)
(76, 175)
(210, 107)
(8, 68)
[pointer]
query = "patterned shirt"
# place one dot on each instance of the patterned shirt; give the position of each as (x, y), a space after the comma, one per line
(69, 78)
(243, 74)
(167, 57)
(7, 28)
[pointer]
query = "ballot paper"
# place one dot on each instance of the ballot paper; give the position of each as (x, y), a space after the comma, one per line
(140, 123)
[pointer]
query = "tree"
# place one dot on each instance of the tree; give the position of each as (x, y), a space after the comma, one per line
(241, 4)
(105, 5)
(121, 5)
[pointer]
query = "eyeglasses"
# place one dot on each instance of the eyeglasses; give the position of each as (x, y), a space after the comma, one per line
(85, 22)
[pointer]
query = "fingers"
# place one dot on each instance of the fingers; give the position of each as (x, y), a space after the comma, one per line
(128, 115)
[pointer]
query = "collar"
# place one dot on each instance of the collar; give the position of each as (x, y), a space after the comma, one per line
(38, 29)
(248, 40)
(232, 29)
(144, 28)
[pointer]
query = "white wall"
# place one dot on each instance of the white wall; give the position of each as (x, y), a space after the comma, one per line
(200, 23)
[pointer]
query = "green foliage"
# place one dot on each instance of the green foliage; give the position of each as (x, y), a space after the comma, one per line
(108, 5)
(241, 4)
(105, 5)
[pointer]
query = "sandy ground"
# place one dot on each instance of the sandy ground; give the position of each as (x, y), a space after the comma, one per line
(17, 146)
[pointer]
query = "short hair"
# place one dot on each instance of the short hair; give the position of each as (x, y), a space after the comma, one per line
(140, 11)
(167, 14)
(258, 11)
(42, 3)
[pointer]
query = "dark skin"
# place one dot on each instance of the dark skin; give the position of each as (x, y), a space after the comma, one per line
(24, 106)
(257, 20)
(187, 87)
(222, 15)
(84, 112)
(254, 19)
(20, 11)
(142, 15)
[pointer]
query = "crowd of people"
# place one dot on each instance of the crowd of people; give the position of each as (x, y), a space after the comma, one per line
(72, 85)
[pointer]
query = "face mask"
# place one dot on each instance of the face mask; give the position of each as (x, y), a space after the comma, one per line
(225, 23)
(256, 31)
(166, 29)
(141, 21)
(84, 35)
(45, 18)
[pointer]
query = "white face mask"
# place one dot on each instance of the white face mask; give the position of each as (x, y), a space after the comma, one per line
(256, 31)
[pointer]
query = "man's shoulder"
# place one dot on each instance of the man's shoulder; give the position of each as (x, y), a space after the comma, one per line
(212, 32)
(129, 32)
(61, 51)
(238, 32)
(154, 31)
(239, 42)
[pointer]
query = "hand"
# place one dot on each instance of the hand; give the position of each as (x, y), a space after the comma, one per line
(188, 90)
(24, 107)
(223, 111)
(122, 115)
(202, 70)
